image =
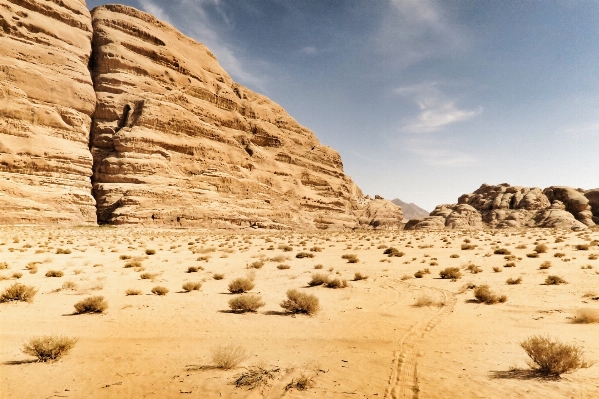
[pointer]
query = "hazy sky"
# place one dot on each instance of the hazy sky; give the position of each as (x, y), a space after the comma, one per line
(425, 100)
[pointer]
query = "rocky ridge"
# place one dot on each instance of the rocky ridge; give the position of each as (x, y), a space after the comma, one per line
(155, 129)
(503, 206)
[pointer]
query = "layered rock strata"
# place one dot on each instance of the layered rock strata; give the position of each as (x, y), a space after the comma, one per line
(503, 206)
(46, 102)
(176, 142)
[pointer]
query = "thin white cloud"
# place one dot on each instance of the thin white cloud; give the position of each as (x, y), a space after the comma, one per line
(436, 110)
(154, 9)
(443, 157)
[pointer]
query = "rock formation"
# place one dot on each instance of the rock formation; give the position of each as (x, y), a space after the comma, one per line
(503, 206)
(593, 197)
(411, 210)
(167, 137)
(46, 103)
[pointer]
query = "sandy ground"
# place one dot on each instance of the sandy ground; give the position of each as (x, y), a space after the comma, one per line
(367, 341)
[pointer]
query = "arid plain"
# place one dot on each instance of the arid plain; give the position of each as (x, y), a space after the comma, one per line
(368, 340)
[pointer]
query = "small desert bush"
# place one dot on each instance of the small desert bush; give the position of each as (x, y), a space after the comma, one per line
(218, 276)
(318, 279)
(92, 304)
(474, 269)
(69, 285)
(541, 249)
(318, 267)
(582, 247)
(147, 276)
(285, 248)
(63, 251)
(228, 356)
(545, 265)
(134, 263)
(192, 269)
(351, 258)
(510, 264)
(299, 302)
(484, 295)
(132, 291)
(124, 257)
(256, 265)
(240, 285)
(555, 280)
(3, 265)
(150, 252)
(502, 251)
(426, 300)
(301, 255)
(559, 255)
(255, 376)
(513, 281)
(18, 292)
(283, 267)
(466, 247)
(586, 316)
(452, 273)
(191, 286)
(32, 267)
(521, 246)
(593, 256)
(54, 273)
(17, 275)
(49, 347)
(301, 383)
(336, 283)
(246, 303)
(159, 290)
(393, 252)
(497, 269)
(532, 255)
(359, 276)
(316, 249)
(552, 357)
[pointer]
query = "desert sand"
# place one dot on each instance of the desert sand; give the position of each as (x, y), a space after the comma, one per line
(368, 340)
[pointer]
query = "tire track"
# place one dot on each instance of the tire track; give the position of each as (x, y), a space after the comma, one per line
(403, 382)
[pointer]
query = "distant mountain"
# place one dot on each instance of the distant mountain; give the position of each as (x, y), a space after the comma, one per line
(411, 211)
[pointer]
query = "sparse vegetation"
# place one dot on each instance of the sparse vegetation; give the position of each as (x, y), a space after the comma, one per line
(240, 285)
(318, 279)
(393, 252)
(191, 286)
(301, 383)
(299, 302)
(49, 347)
(513, 281)
(552, 357)
(256, 265)
(92, 304)
(246, 303)
(254, 377)
(541, 249)
(586, 316)
(228, 356)
(359, 276)
(555, 280)
(484, 295)
(283, 267)
(502, 251)
(351, 258)
(218, 276)
(54, 273)
(452, 273)
(336, 283)
(150, 252)
(132, 291)
(160, 291)
(545, 265)
(18, 292)
(301, 255)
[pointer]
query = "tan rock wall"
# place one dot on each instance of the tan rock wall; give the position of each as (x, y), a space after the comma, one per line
(46, 103)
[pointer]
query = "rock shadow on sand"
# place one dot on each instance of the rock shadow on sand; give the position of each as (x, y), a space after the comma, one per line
(522, 374)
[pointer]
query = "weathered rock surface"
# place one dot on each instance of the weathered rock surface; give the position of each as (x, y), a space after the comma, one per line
(503, 206)
(176, 142)
(380, 214)
(593, 197)
(46, 103)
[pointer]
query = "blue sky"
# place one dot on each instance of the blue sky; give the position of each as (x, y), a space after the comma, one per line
(425, 100)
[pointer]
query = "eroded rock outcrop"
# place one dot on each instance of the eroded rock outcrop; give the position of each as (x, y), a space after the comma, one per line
(379, 213)
(46, 103)
(503, 206)
(177, 142)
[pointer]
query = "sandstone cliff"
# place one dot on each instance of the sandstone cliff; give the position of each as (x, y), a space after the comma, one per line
(503, 206)
(410, 210)
(46, 103)
(176, 141)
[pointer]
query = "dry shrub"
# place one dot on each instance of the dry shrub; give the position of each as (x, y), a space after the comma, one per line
(484, 295)
(510, 264)
(124, 257)
(316, 249)
(452, 273)
(132, 291)
(552, 357)
(285, 248)
(92, 304)
(466, 247)
(336, 283)
(454, 256)
(69, 285)
(240, 285)
(426, 300)
(134, 263)
(541, 249)
(191, 286)
(532, 255)
(228, 356)
(150, 252)
(147, 276)
(218, 276)
(283, 267)
(559, 255)
(593, 256)
(555, 280)
(49, 347)
(254, 377)
(256, 265)
(160, 291)
(318, 267)
(61, 251)
(318, 279)
(474, 269)
(359, 276)
(301, 383)
(502, 251)
(54, 273)
(513, 281)
(3, 266)
(497, 269)
(18, 292)
(301, 255)
(586, 316)
(192, 269)
(351, 258)
(17, 275)
(279, 258)
(246, 303)
(545, 265)
(393, 252)
(582, 247)
(299, 302)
